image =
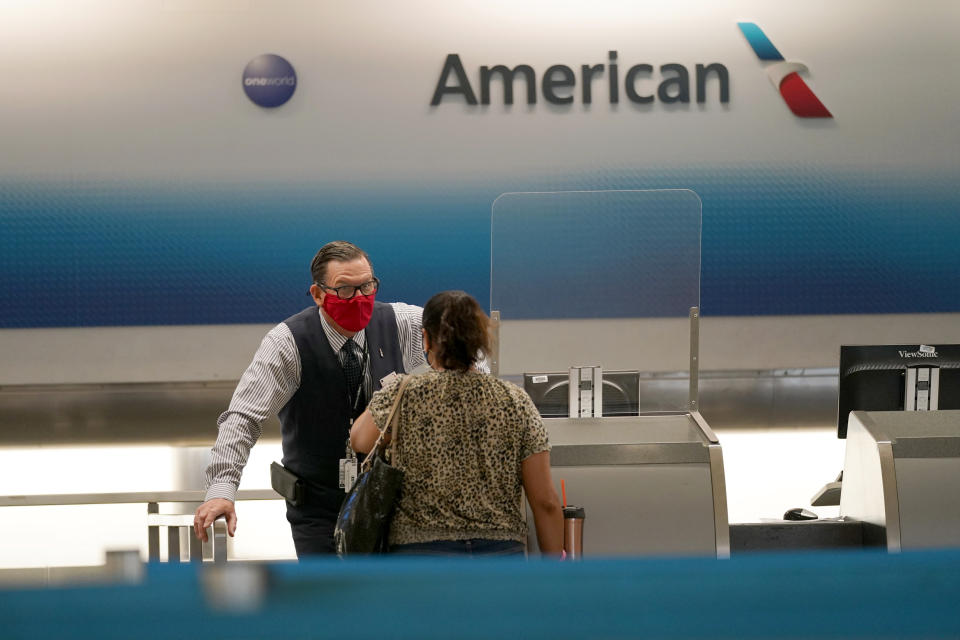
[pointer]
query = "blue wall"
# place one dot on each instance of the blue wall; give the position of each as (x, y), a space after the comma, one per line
(88, 254)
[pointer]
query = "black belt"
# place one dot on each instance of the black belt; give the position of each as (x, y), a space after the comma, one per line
(321, 488)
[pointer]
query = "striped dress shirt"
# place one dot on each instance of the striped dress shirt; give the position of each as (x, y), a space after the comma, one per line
(272, 379)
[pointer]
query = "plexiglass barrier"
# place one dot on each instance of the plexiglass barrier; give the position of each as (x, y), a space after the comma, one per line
(596, 278)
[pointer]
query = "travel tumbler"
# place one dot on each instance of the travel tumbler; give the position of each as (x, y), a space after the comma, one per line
(573, 531)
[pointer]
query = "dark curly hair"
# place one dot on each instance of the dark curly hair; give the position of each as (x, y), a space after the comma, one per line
(458, 329)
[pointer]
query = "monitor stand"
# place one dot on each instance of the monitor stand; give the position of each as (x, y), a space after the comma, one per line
(829, 494)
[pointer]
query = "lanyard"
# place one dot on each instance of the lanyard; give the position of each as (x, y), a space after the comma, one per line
(350, 455)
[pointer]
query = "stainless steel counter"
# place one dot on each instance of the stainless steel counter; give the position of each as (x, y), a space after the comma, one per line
(901, 477)
(650, 484)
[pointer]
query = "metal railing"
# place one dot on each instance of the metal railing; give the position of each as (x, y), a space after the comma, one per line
(179, 526)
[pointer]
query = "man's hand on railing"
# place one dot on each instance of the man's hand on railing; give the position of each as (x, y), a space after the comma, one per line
(210, 511)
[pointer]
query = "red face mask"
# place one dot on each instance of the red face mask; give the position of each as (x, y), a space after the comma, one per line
(353, 314)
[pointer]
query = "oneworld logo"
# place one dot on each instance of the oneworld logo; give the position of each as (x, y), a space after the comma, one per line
(269, 80)
(785, 75)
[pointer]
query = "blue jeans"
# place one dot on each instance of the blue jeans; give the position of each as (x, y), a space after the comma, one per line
(474, 547)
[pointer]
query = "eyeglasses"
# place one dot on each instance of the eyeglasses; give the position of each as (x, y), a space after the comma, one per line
(348, 291)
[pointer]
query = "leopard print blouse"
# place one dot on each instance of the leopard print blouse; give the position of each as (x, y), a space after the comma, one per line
(462, 438)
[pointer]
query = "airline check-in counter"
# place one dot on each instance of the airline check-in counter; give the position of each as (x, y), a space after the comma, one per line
(648, 471)
(901, 478)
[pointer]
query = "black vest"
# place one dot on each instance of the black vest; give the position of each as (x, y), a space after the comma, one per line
(316, 420)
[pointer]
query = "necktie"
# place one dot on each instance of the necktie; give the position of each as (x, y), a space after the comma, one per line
(351, 369)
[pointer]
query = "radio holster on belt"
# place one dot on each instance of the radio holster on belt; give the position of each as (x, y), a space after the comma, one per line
(286, 483)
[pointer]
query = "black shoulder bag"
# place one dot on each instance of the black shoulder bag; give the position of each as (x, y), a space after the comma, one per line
(364, 519)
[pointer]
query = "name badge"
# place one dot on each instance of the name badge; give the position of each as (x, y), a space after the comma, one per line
(348, 473)
(385, 380)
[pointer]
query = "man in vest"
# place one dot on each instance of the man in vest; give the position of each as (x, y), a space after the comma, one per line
(317, 369)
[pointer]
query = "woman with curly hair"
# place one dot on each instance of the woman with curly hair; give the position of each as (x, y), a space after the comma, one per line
(467, 442)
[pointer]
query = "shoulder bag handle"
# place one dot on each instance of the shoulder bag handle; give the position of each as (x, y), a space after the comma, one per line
(393, 420)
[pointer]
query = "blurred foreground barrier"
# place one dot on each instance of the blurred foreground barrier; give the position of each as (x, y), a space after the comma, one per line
(857, 594)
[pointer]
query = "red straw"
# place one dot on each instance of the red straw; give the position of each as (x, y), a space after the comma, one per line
(563, 492)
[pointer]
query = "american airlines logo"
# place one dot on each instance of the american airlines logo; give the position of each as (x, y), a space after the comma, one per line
(785, 75)
(640, 83)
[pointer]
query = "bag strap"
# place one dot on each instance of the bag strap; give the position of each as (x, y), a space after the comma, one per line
(394, 423)
(393, 420)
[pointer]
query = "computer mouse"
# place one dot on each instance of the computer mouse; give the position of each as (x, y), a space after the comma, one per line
(799, 513)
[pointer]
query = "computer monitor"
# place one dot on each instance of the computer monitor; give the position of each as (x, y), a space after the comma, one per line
(897, 377)
(550, 393)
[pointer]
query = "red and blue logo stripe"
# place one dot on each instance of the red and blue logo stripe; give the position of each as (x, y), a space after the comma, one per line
(785, 75)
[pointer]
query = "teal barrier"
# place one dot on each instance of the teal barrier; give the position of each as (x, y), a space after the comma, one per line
(858, 594)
